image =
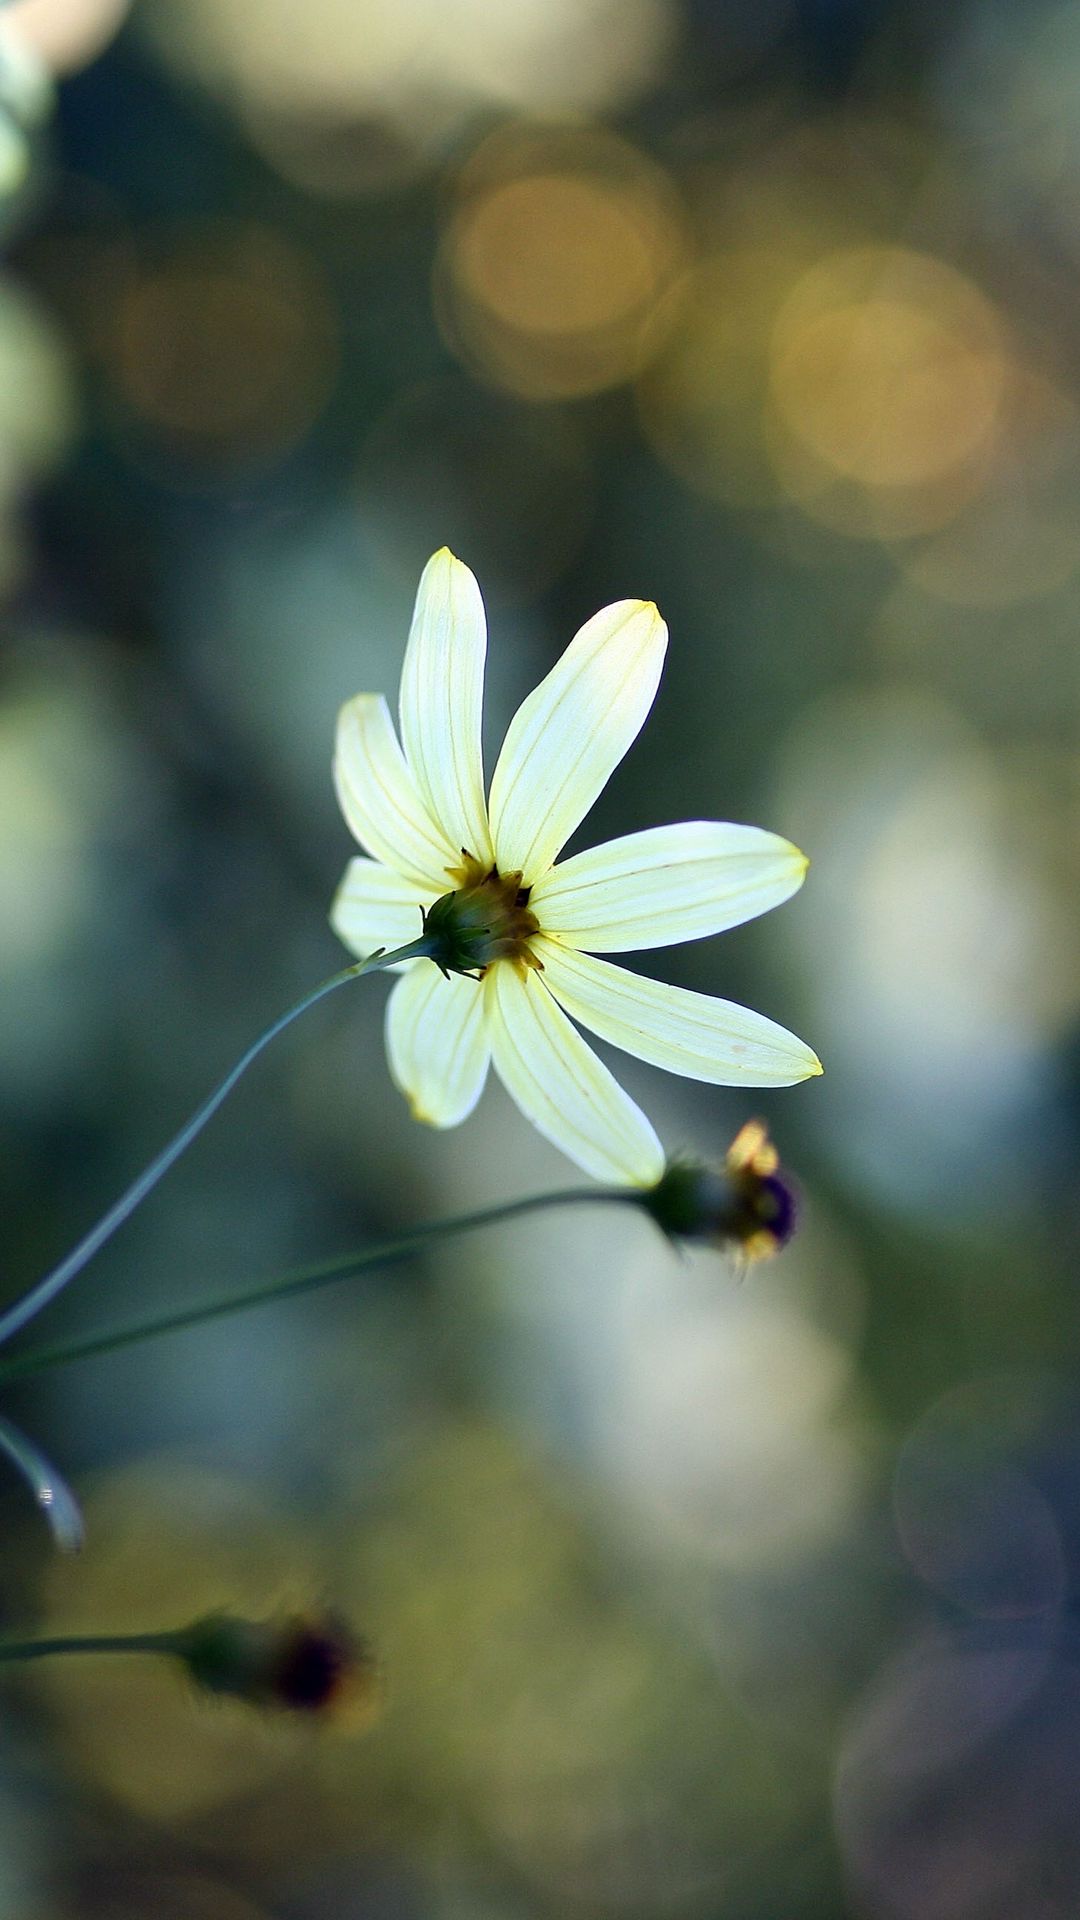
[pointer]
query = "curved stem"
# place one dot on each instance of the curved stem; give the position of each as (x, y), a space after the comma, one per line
(49, 1488)
(305, 1279)
(31, 1303)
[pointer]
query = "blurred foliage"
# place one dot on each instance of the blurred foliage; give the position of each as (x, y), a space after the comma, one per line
(693, 1599)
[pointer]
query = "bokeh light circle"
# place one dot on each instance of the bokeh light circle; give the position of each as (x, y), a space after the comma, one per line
(224, 345)
(888, 364)
(422, 68)
(559, 246)
(66, 34)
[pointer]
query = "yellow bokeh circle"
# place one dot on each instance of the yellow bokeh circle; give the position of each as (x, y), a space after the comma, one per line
(888, 366)
(558, 248)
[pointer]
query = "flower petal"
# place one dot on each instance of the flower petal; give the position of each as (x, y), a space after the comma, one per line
(442, 698)
(669, 884)
(688, 1033)
(374, 907)
(561, 1086)
(568, 736)
(379, 799)
(437, 1043)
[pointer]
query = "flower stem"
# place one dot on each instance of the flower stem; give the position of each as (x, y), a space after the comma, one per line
(49, 1488)
(162, 1643)
(308, 1663)
(305, 1279)
(40, 1295)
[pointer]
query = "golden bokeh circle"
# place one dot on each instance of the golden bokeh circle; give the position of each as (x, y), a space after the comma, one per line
(558, 248)
(888, 366)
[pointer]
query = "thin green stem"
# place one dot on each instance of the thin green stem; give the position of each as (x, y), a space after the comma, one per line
(15, 1317)
(161, 1643)
(305, 1279)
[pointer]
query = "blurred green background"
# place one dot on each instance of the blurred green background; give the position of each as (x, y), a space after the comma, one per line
(695, 1598)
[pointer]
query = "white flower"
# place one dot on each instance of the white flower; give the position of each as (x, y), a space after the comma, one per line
(422, 813)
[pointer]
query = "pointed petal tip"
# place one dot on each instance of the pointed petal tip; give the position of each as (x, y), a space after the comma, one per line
(651, 612)
(418, 1110)
(799, 860)
(443, 557)
(446, 570)
(805, 1066)
(357, 703)
(631, 611)
(419, 1113)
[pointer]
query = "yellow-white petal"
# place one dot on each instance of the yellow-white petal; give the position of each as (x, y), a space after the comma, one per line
(688, 1033)
(671, 883)
(375, 907)
(437, 1043)
(442, 699)
(567, 738)
(561, 1086)
(379, 797)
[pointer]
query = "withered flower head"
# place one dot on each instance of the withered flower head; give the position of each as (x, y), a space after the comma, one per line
(747, 1206)
(301, 1663)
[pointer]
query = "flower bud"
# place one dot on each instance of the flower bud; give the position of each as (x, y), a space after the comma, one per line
(300, 1663)
(747, 1206)
(486, 918)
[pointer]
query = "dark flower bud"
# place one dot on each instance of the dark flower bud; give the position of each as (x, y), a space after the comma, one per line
(300, 1663)
(747, 1206)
